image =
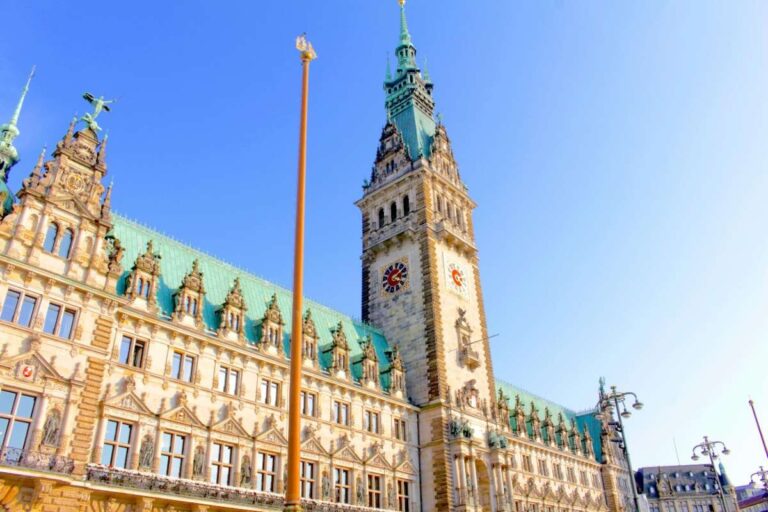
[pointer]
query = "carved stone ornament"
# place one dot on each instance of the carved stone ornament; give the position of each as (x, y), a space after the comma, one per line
(149, 262)
(309, 325)
(273, 314)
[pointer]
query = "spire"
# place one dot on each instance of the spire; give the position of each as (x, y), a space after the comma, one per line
(388, 76)
(9, 156)
(17, 112)
(102, 155)
(405, 37)
(425, 72)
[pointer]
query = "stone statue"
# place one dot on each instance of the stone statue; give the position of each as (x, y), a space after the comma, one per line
(391, 497)
(245, 471)
(198, 463)
(51, 428)
(99, 104)
(326, 486)
(360, 491)
(146, 452)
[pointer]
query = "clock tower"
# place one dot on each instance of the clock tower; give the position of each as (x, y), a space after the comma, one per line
(421, 280)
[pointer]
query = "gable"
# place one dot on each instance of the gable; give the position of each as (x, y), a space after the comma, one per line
(129, 401)
(312, 445)
(272, 436)
(31, 367)
(230, 425)
(184, 415)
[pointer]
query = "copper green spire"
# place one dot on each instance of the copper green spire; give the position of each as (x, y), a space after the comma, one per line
(405, 37)
(9, 131)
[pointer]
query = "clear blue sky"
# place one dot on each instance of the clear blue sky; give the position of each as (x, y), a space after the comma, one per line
(617, 151)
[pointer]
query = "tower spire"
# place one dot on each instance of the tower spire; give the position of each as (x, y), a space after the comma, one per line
(9, 131)
(405, 37)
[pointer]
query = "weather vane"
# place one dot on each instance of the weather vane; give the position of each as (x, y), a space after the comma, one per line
(99, 104)
(305, 47)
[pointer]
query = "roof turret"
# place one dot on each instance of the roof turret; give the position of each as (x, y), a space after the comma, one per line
(9, 156)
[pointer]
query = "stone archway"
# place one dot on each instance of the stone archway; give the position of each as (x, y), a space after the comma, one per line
(483, 486)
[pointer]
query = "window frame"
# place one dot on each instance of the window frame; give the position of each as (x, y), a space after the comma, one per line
(172, 455)
(270, 392)
(115, 445)
(218, 465)
(264, 474)
(131, 354)
(400, 427)
(342, 489)
(21, 299)
(403, 495)
(180, 374)
(225, 385)
(12, 418)
(304, 403)
(307, 483)
(63, 310)
(338, 406)
(372, 422)
(374, 493)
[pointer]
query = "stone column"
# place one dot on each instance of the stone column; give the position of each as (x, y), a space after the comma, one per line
(156, 455)
(253, 465)
(460, 471)
(473, 473)
(99, 438)
(37, 424)
(67, 426)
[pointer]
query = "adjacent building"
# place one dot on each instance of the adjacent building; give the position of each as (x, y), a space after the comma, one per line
(139, 374)
(686, 488)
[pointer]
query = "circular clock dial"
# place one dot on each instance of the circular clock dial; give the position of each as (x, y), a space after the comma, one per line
(457, 278)
(395, 277)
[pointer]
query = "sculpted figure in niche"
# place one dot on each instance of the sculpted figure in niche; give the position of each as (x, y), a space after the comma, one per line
(391, 496)
(360, 491)
(198, 463)
(245, 471)
(146, 452)
(51, 428)
(326, 486)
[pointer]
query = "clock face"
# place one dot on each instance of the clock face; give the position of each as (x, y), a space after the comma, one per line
(456, 278)
(395, 277)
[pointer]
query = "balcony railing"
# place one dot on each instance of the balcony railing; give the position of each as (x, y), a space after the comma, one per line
(203, 490)
(35, 460)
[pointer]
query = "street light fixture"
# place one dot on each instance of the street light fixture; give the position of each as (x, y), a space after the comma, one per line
(762, 475)
(616, 400)
(712, 449)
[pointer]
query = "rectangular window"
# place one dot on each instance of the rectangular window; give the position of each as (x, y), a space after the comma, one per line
(308, 401)
(132, 351)
(403, 496)
(341, 413)
(596, 481)
(558, 471)
(172, 453)
(342, 485)
(308, 470)
(543, 468)
(371, 422)
(571, 475)
(270, 392)
(183, 366)
(19, 308)
(117, 444)
(266, 469)
(374, 491)
(583, 478)
(16, 411)
(527, 464)
(401, 429)
(221, 463)
(59, 320)
(228, 380)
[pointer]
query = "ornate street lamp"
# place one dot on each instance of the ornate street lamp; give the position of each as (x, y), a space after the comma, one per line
(617, 400)
(712, 449)
(761, 475)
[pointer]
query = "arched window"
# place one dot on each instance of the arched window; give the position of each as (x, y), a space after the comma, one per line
(146, 288)
(66, 244)
(393, 211)
(439, 204)
(140, 286)
(194, 306)
(50, 237)
(406, 206)
(381, 217)
(188, 304)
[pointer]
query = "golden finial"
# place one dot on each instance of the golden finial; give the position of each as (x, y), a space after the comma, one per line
(401, 2)
(305, 47)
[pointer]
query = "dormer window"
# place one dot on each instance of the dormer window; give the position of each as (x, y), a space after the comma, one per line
(370, 363)
(272, 328)
(339, 351)
(50, 237)
(144, 278)
(65, 245)
(309, 347)
(232, 312)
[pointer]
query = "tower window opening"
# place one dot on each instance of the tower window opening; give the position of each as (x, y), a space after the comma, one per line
(381, 217)
(50, 237)
(439, 204)
(406, 206)
(393, 211)
(65, 247)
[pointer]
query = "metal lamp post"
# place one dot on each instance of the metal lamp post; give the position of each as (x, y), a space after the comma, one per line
(762, 475)
(606, 404)
(712, 449)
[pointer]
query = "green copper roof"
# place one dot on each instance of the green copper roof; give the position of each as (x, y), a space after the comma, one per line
(584, 420)
(218, 277)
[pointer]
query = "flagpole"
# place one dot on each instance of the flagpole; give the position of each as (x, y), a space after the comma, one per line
(292, 493)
